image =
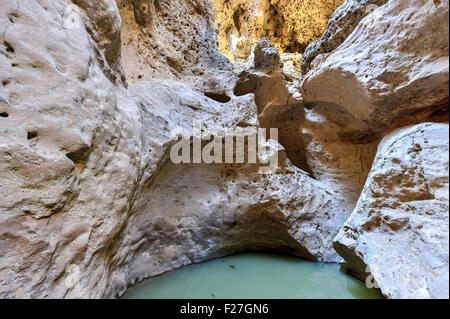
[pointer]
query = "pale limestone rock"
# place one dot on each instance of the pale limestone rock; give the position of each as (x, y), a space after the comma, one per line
(361, 97)
(267, 58)
(262, 74)
(340, 164)
(83, 161)
(310, 135)
(70, 148)
(290, 24)
(291, 65)
(390, 71)
(399, 228)
(228, 209)
(174, 40)
(190, 213)
(242, 47)
(91, 203)
(341, 24)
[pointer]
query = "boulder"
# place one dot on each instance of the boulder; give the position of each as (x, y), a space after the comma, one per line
(398, 233)
(391, 71)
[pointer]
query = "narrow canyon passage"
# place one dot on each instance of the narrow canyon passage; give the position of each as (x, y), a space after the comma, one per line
(271, 47)
(95, 95)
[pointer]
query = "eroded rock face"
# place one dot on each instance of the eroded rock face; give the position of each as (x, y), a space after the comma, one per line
(341, 24)
(290, 24)
(174, 40)
(190, 213)
(309, 133)
(87, 207)
(392, 70)
(70, 147)
(277, 107)
(399, 228)
(370, 82)
(91, 203)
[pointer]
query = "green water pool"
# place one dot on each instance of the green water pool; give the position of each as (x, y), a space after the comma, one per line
(254, 276)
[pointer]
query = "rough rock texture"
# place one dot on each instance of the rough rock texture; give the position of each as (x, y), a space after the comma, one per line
(339, 163)
(189, 213)
(91, 203)
(340, 26)
(400, 225)
(309, 133)
(392, 70)
(277, 107)
(290, 24)
(70, 145)
(228, 209)
(174, 40)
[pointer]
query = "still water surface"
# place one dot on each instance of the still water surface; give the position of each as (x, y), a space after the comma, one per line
(253, 276)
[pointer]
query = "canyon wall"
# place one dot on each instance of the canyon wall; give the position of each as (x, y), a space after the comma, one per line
(290, 24)
(391, 71)
(399, 229)
(84, 154)
(90, 95)
(174, 40)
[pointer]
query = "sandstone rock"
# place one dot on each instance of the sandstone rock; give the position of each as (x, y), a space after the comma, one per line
(91, 203)
(174, 40)
(291, 65)
(84, 163)
(263, 76)
(267, 58)
(290, 24)
(341, 24)
(392, 70)
(399, 228)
